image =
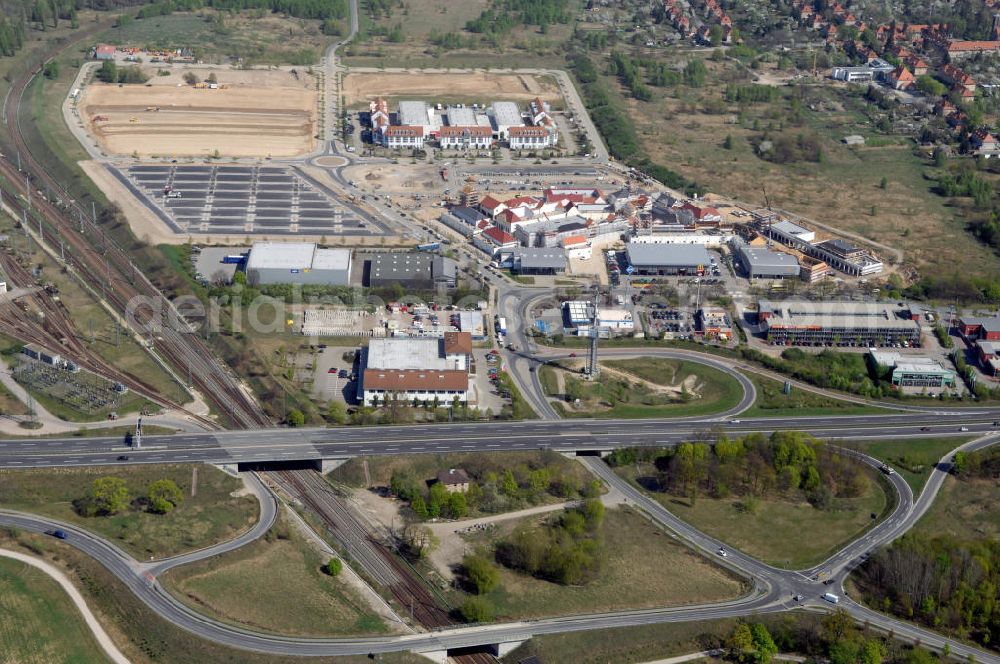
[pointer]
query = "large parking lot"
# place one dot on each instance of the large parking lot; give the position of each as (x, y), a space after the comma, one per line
(258, 200)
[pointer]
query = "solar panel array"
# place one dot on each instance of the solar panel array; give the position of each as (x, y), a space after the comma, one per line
(259, 200)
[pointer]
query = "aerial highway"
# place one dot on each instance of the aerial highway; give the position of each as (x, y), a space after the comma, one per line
(773, 589)
(578, 435)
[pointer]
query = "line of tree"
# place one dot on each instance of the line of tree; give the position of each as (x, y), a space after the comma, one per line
(505, 15)
(615, 126)
(751, 93)
(568, 550)
(787, 463)
(982, 464)
(944, 583)
(11, 35)
(110, 495)
(109, 72)
(491, 490)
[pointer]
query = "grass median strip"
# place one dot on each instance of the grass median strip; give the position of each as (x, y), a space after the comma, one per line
(644, 387)
(213, 506)
(275, 585)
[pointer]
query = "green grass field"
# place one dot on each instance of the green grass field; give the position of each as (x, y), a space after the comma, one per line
(913, 458)
(629, 390)
(964, 509)
(212, 515)
(141, 634)
(773, 402)
(294, 597)
(645, 567)
(773, 530)
(40, 624)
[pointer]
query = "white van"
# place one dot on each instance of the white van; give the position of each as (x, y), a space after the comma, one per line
(831, 598)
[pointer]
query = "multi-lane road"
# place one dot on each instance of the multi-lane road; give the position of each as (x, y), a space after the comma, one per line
(566, 436)
(774, 589)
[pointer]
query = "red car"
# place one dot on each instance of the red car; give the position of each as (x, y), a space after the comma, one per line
(332, 370)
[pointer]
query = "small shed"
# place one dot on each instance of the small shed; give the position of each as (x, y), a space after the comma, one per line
(455, 480)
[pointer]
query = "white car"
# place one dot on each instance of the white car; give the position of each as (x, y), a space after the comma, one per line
(723, 552)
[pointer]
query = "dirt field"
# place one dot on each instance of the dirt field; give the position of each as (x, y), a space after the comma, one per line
(261, 113)
(476, 86)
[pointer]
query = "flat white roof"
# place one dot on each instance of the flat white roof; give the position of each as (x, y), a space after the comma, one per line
(506, 114)
(411, 353)
(461, 117)
(414, 113)
(331, 259)
(281, 255)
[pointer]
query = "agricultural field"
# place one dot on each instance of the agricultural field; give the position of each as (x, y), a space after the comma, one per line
(252, 114)
(41, 624)
(214, 506)
(484, 87)
(295, 597)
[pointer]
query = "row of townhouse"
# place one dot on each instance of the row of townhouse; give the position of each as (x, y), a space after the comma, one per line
(461, 127)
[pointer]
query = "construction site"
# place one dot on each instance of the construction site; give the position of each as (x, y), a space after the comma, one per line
(241, 113)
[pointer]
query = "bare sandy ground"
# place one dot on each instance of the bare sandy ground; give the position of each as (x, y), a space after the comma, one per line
(477, 86)
(259, 113)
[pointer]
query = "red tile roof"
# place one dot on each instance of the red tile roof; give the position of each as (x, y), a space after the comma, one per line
(403, 380)
(522, 132)
(461, 131)
(499, 236)
(458, 343)
(972, 46)
(404, 130)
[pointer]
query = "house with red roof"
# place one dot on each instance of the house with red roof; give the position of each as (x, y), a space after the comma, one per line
(956, 76)
(985, 143)
(704, 215)
(492, 206)
(104, 52)
(404, 137)
(901, 78)
(493, 240)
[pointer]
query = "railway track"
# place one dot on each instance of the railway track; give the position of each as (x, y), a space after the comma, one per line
(55, 330)
(362, 544)
(106, 265)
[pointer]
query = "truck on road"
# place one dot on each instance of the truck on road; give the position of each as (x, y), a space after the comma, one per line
(831, 598)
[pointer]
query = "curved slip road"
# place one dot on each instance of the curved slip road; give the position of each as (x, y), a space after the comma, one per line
(773, 588)
(103, 640)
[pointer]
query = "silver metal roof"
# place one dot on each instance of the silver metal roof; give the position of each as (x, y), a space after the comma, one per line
(655, 254)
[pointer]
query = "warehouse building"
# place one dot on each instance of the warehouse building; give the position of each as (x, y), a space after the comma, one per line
(975, 327)
(912, 373)
(421, 369)
(667, 259)
(414, 270)
(523, 260)
(761, 263)
(297, 263)
(796, 323)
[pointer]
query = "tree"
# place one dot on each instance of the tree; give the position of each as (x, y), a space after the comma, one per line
(190, 77)
(741, 641)
(334, 567)
(458, 506)
(764, 647)
(164, 495)
(728, 142)
(212, 78)
(337, 412)
(482, 574)
(108, 72)
(108, 495)
(476, 610)
(296, 418)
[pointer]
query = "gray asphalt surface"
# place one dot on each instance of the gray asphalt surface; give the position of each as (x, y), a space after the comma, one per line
(773, 591)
